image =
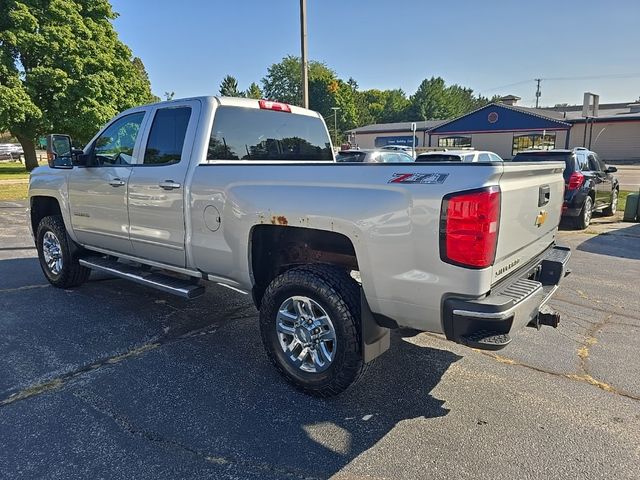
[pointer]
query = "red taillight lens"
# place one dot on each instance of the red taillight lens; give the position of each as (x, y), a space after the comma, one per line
(469, 228)
(278, 106)
(575, 181)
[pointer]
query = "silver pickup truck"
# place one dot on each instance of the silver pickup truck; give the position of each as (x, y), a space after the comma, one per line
(246, 194)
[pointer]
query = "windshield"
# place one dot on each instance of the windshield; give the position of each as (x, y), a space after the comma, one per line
(567, 158)
(440, 157)
(350, 156)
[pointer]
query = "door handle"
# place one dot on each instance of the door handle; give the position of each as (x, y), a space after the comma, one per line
(116, 182)
(169, 185)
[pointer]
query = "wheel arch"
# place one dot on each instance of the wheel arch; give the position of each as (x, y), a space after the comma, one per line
(273, 249)
(41, 206)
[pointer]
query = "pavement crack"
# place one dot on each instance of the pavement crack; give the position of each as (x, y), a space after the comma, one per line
(62, 380)
(25, 287)
(101, 406)
(579, 377)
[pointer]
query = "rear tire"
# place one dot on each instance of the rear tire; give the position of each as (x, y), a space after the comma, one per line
(323, 296)
(57, 261)
(584, 219)
(613, 208)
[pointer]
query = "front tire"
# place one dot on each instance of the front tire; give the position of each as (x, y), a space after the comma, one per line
(584, 219)
(58, 263)
(310, 327)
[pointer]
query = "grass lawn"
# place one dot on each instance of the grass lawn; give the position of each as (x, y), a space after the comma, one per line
(14, 191)
(15, 170)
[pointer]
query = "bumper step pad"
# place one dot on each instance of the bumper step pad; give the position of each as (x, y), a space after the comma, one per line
(487, 340)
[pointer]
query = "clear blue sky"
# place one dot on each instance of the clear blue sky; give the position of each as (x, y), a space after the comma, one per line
(188, 46)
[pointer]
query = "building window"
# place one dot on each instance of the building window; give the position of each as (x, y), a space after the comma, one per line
(533, 141)
(458, 142)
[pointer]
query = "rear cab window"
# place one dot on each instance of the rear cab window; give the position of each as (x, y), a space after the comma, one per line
(250, 134)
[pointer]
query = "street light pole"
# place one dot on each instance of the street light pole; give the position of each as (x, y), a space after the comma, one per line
(303, 45)
(335, 123)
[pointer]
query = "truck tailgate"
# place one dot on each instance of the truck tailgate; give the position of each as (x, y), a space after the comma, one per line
(531, 205)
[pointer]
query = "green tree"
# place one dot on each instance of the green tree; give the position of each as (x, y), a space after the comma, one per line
(229, 87)
(283, 81)
(63, 68)
(254, 91)
(434, 100)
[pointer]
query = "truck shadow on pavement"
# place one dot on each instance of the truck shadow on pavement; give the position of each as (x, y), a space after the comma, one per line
(622, 243)
(218, 397)
(198, 382)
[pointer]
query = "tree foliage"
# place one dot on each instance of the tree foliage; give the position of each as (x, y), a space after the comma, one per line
(284, 79)
(254, 91)
(63, 68)
(229, 87)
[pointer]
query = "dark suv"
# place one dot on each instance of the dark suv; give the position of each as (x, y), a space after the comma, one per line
(589, 185)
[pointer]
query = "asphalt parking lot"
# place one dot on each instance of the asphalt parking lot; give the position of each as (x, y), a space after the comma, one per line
(112, 380)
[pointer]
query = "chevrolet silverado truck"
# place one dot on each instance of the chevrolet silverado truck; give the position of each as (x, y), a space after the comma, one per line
(247, 194)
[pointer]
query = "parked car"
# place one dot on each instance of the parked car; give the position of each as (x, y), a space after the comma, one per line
(589, 183)
(399, 148)
(467, 156)
(246, 194)
(373, 156)
(10, 151)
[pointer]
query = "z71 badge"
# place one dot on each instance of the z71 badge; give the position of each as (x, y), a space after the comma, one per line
(430, 178)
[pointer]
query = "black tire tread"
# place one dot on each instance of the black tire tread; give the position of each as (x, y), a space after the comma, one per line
(73, 274)
(341, 290)
(608, 212)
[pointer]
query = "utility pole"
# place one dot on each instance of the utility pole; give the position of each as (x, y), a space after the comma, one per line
(538, 92)
(303, 45)
(335, 124)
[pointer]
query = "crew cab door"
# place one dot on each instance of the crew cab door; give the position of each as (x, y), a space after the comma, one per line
(98, 191)
(157, 183)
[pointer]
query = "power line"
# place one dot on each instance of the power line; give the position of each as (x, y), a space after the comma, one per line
(583, 77)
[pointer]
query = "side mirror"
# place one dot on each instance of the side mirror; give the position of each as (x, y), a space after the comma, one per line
(611, 169)
(59, 151)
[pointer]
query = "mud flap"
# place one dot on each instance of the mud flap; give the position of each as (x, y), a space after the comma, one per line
(375, 339)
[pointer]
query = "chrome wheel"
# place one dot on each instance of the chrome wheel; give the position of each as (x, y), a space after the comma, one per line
(52, 252)
(306, 335)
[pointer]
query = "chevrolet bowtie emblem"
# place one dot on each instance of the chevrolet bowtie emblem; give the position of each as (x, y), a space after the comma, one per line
(541, 218)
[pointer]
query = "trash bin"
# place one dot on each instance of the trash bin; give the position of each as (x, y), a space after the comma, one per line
(632, 209)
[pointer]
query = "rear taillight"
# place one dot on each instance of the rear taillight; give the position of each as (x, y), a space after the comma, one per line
(575, 181)
(469, 227)
(277, 106)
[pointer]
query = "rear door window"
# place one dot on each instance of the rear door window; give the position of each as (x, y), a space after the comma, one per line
(166, 137)
(593, 163)
(484, 157)
(240, 133)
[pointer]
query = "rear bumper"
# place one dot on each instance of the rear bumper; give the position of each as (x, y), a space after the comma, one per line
(487, 323)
